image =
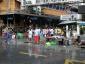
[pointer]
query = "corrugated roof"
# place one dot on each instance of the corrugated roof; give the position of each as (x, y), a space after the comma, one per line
(21, 13)
(70, 22)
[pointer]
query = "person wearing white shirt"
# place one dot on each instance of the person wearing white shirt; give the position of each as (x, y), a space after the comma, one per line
(30, 34)
(51, 32)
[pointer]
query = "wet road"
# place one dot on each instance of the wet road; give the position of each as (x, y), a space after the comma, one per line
(23, 53)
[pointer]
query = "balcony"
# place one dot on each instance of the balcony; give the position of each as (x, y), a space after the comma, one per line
(58, 1)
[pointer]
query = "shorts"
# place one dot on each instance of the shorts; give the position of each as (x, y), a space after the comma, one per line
(36, 39)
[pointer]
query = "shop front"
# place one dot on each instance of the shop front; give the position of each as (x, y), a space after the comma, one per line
(21, 21)
(73, 28)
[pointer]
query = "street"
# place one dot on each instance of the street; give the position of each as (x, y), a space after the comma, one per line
(42, 31)
(26, 53)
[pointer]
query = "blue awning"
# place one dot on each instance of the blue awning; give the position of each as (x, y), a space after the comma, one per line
(82, 24)
(71, 22)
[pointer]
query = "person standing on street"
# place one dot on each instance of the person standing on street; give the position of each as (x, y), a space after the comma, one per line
(30, 34)
(36, 35)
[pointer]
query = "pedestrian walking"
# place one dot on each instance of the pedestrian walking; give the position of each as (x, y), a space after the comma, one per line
(14, 38)
(41, 36)
(36, 36)
(51, 31)
(30, 34)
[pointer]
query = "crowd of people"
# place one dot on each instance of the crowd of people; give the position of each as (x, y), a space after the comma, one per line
(37, 35)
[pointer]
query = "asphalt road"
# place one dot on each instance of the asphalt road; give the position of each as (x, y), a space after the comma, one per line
(23, 53)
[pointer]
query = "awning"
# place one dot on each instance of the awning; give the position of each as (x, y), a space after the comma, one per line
(71, 22)
(82, 23)
(28, 14)
(67, 22)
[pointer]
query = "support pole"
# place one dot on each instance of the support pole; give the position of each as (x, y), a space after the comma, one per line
(67, 34)
(78, 29)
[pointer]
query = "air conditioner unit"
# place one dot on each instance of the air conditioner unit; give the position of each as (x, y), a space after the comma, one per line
(28, 2)
(39, 8)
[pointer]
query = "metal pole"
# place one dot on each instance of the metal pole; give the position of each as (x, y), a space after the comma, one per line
(8, 8)
(7, 22)
(14, 20)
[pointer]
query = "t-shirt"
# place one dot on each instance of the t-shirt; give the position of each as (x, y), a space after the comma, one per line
(30, 33)
(36, 32)
(13, 36)
(51, 31)
(45, 31)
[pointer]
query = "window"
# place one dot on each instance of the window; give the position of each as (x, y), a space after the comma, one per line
(37, 1)
(46, 0)
(24, 2)
(57, 7)
(28, 2)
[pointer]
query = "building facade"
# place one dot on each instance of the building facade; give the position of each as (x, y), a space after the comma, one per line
(56, 1)
(9, 5)
(27, 2)
(7, 9)
(81, 10)
(67, 10)
(63, 7)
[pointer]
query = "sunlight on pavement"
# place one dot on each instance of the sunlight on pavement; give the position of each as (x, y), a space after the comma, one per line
(70, 61)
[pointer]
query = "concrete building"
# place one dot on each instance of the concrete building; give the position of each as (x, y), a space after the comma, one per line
(9, 5)
(23, 2)
(63, 7)
(67, 10)
(11, 15)
(27, 2)
(81, 9)
(7, 9)
(56, 1)
(49, 11)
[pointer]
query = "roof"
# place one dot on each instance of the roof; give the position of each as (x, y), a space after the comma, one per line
(71, 22)
(28, 14)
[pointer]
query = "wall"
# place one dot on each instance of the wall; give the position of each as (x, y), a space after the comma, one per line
(12, 5)
(81, 9)
(9, 5)
(1, 0)
(53, 12)
(17, 5)
(3, 5)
